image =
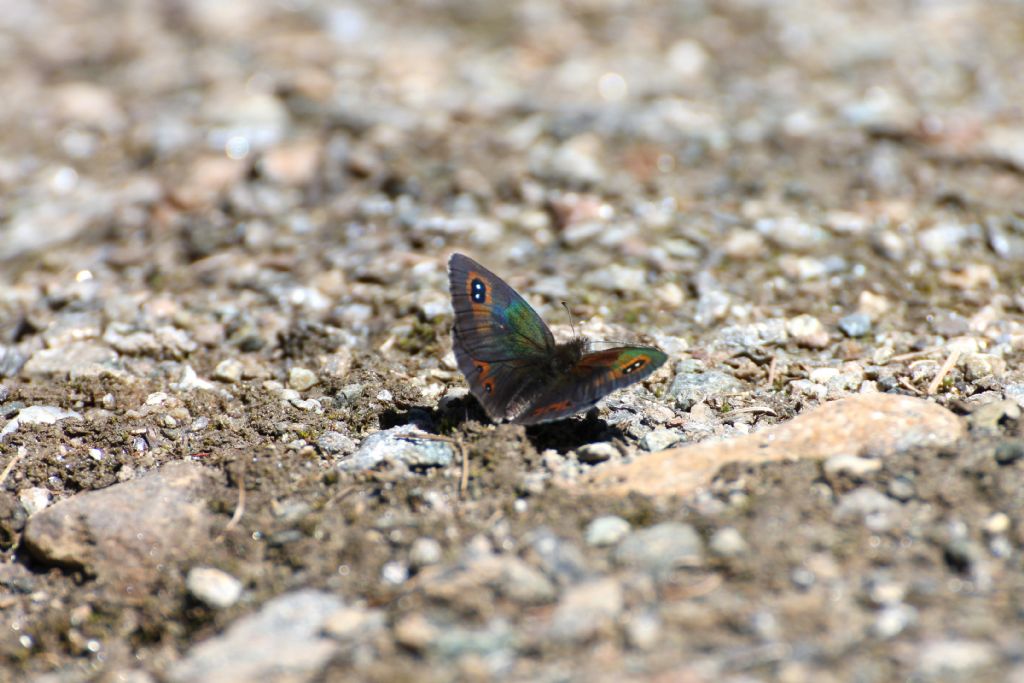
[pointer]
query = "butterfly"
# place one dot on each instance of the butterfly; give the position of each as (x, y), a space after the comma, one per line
(514, 367)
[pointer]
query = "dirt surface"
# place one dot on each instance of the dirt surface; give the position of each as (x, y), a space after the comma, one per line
(223, 233)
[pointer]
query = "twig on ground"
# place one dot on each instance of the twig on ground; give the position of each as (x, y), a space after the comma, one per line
(951, 360)
(240, 506)
(10, 466)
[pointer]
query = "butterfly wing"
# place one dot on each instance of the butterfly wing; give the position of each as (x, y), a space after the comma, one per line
(592, 378)
(501, 345)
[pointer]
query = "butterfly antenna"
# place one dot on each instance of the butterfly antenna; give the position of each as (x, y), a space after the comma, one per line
(571, 324)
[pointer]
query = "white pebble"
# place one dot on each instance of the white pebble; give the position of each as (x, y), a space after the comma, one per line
(213, 587)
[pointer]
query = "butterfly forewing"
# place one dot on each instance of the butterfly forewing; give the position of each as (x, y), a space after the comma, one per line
(492, 321)
(501, 345)
(595, 376)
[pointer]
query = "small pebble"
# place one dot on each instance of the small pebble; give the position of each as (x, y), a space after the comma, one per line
(807, 331)
(394, 572)
(660, 439)
(301, 379)
(593, 453)
(34, 499)
(661, 548)
(415, 632)
(893, 620)
(901, 488)
(727, 542)
(335, 443)
(355, 623)
(855, 325)
(1009, 452)
(998, 523)
(228, 370)
(851, 465)
(424, 552)
(644, 630)
(869, 505)
(213, 587)
(605, 531)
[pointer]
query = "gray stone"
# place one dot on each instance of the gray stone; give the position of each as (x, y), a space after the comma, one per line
(10, 409)
(335, 443)
(901, 489)
(660, 439)
(281, 643)
(11, 361)
(44, 415)
(661, 548)
(1009, 452)
(869, 505)
(690, 389)
(606, 530)
(128, 531)
(403, 446)
(213, 587)
(163, 341)
(713, 301)
(79, 359)
(494, 639)
(523, 583)
(616, 278)
(855, 324)
(754, 335)
(558, 557)
(1015, 392)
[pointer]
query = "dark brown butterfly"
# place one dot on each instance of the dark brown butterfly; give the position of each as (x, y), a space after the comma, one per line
(512, 363)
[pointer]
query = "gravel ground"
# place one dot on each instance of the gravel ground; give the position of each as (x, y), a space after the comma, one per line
(234, 444)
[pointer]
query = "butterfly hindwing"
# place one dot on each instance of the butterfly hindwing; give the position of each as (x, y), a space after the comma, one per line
(501, 345)
(503, 387)
(592, 378)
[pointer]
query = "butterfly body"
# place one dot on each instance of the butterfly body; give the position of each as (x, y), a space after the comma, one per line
(511, 360)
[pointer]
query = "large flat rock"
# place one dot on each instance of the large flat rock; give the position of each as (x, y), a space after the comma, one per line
(874, 425)
(125, 532)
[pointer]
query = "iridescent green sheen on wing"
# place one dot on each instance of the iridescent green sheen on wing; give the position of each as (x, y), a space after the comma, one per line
(526, 326)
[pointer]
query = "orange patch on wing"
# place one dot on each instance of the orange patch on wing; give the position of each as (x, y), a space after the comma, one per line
(483, 369)
(551, 408)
